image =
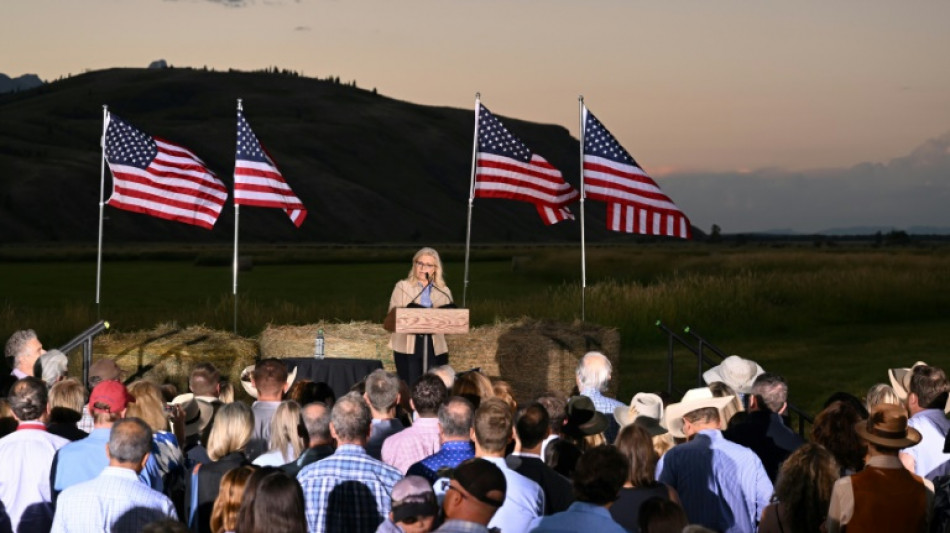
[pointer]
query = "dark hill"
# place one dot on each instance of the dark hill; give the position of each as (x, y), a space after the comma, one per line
(368, 168)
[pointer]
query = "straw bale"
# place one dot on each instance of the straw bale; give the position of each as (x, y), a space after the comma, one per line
(353, 340)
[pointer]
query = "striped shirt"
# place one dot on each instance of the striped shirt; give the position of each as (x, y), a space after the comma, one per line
(348, 491)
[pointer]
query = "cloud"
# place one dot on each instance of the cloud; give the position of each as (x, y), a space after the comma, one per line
(907, 191)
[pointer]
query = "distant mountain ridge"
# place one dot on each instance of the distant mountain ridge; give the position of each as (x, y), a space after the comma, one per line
(21, 83)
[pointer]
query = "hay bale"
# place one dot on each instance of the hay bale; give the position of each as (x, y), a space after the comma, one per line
(167, 353)
(353, 340)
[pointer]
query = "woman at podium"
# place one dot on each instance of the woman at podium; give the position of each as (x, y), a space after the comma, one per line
(423, 287)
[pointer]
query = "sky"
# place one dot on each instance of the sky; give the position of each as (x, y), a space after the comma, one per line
(689, 88)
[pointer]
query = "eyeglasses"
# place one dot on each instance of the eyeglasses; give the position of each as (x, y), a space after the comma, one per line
(420, 264)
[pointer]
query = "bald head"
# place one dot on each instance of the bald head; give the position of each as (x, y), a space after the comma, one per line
(316, 418)
(593, 371)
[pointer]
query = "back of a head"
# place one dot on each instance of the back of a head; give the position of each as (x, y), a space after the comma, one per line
(52, 366)
(473, 385)
(225, 512)
(67, 394)
(285, 429)
(658, 515)
(593, 372)
(316, 418)
(231, 431)
(270, 377)
(834, 429)
(351, 418)
(129, 441)
(881, 393)
(148, 405)
(533, 425)
(446, 373)
(428, 395)
(455, 417)
(28, 399)
(493, 425)
(555, 404)
(382, 389)
(772, 389)
(273, 501)
(204, 380)
(930, 385)
(636, 444)
(599, 474)
(804, 486)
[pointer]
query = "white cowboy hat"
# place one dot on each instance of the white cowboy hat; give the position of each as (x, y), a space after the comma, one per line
(249, 387)
(693, 399)
(643, 404)
(900, 379)
(198, 414)
(736, 372)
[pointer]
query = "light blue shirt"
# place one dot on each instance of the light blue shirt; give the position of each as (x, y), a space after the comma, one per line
(580, 516)
(115, 501)
(524, 501)
(929, 459)
(721, 484)
(84, 459)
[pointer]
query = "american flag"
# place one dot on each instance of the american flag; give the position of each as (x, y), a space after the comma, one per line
(635, 203)
(506, 168)
(257, 181)
(159, 178)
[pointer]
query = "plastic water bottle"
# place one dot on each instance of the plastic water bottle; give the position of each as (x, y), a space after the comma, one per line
(318, 345)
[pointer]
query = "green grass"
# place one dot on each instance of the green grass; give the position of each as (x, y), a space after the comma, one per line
(827, 319)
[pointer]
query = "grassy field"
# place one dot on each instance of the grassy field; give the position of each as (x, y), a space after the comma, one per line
(828, 318)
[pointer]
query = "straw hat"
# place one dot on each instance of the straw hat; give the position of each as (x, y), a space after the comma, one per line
(900, 379)
(736, 372)
(646, 406)
(693, 399)
(887, 426)
(249, 387)
(198, 414)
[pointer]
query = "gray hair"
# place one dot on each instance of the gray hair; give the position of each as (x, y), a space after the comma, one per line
(447, 373)
(316, 421)
(53, 366)
(351, 418)
(593, 371)
(382, 388)
(17, 342)
(772, 389)
(130, 440)
(28, 399)
(455, 417)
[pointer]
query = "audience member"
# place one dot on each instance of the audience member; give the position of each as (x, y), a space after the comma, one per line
(230, 434)
(664, 516)
(116, 500)
(420, 440)
(636, 444)
(763, 430)
(884, 496)
(741, 488)
(478, 489)
(66, 401)
(277, 504)
(583, 428)
(86, 458)
(532, 427)
(455, 433)
(524, 500)
(24, 349)
(316, 421)
(286, 439)
(166, 466)
(382, 395)
(269, 381)
(26, 455)
(414, 507)
(502, 389)
(446, 373)
(227, 391)
(646, 410)
(927, 388)
(104, 369)
(198, 415)
(206, 386)
(736, 372)
(51, 367)
(834, 429)
(224, 514)
(733, 412)
(848, 398)
(554, 403)
(592, 375)
(881, 393)
(305, 391)
(900, 380)
(348, 491)
(803, 492)
(473, 386)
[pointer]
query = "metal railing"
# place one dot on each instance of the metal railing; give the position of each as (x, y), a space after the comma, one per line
(699, 350)
(84, 339)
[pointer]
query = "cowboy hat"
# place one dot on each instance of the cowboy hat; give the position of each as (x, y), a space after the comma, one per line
(198, 414)
(644, 405)
(736, 372)
(249, 387)
(693, 399)
(900, 379)
(886, 426)
(582, 418)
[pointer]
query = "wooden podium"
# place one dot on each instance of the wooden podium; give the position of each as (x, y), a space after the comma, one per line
(426, 321)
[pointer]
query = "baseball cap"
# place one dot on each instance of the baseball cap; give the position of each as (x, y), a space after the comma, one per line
(412, 496)
(109, 397)
(480, 478)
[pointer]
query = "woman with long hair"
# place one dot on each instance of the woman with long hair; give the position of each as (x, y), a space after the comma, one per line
(636, 444)
(272, 503)
(834, 429)
(423, 287)
(166, 467)
(802, 492)
(286, 438)
(224, 514)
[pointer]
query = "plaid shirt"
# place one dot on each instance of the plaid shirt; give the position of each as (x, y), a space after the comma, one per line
(606, 406)
(348, 491)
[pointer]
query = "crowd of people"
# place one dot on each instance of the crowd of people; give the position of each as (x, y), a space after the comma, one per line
(455, 452)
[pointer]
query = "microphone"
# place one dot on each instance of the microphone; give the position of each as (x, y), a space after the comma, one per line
(451, 303)
(412, 303)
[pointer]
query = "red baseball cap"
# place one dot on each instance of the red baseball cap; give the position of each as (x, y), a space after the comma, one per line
(109, 397)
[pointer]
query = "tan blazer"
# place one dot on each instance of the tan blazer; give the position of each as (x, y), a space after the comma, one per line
(403, 294)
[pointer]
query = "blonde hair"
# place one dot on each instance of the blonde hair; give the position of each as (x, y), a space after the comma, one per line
(721, 390)
(662, 443)
(437, 278)
(149, 405)
(224, 514)
(226, 392)
(231, 431)
(503, 390)
(285, 430)
(68, 393)
(473, 383)
(881, 393)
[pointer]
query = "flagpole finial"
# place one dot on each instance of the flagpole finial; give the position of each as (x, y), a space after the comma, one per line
(240, 107)
(478, 95)
(580, 98)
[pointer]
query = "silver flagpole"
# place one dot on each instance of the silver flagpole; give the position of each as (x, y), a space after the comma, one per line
(471, 200)
(580, 101)
(102, 186)
(237, 210)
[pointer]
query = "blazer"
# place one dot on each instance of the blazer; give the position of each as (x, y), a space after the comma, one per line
(404, 293)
